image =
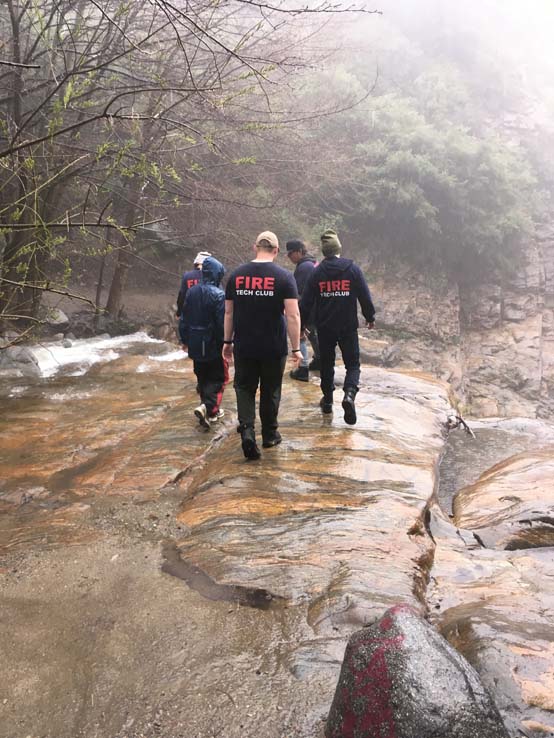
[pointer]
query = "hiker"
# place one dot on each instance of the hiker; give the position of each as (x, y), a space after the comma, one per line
(188, 280)
(202, 319)
(335, 287)
(258, 297)
(305, 264)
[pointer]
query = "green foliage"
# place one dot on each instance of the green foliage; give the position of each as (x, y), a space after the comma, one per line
(68, 93)
(417, 183)
(327, 220)
(437, 193)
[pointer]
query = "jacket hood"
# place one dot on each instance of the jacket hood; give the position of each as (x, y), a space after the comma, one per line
(306, 258)
(212, 271)
(335, 264)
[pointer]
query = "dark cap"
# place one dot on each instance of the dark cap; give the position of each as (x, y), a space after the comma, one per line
(295, 245)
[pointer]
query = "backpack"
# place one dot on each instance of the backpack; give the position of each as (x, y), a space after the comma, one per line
(202, 343)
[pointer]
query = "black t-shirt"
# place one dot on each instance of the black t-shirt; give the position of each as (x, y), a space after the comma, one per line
(188, 280)
(258, 291)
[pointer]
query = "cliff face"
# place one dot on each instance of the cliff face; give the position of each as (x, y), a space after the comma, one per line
(494, 343)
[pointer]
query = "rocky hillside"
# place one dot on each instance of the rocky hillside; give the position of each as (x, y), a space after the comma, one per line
(494, 343)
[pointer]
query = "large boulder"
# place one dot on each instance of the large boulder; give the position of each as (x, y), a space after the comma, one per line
(18, 361)
(56, 318)
(401, 679)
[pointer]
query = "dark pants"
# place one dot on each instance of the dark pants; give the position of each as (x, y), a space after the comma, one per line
(350, 351)
(212, 377)
(268, 373)
(313, 339)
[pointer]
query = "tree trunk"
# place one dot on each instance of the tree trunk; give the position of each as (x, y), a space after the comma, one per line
(128, 206)
(114, 305)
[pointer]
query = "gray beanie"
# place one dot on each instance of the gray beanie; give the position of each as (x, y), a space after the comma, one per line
(330, 244)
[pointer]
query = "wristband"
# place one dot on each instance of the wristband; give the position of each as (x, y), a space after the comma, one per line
(296, 351)
(227, 343)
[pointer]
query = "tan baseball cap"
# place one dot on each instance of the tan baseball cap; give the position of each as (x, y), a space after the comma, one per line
(268, 236)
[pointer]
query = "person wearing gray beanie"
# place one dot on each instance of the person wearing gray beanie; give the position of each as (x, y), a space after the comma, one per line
(334, 289)
(330, 244)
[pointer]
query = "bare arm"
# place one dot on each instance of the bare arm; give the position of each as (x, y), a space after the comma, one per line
(228, 330)
(292, 314)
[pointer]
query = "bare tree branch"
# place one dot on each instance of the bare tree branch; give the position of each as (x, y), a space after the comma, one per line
(43, 288)
(6, 63)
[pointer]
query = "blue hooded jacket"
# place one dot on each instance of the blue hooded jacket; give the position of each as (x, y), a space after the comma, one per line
(203, 314)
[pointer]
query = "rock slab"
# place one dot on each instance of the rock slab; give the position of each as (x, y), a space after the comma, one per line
(400, 678)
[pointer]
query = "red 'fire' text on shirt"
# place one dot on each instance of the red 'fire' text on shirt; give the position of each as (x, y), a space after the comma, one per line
(335, 288)
(260, 286)
(258, 291)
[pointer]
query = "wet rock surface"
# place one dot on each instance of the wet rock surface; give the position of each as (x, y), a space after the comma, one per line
(154, 583)
(95, 639)
(495, 607)
(401, 679)
(465, 459)
(493, 604)
(511, 506)
(322, 538)
(268, 567)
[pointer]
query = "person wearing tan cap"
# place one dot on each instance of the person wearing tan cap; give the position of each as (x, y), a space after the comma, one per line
(258, 298)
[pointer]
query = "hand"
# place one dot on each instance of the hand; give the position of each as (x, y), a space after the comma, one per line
(185, 347)
(228, 352)
(177, 315)
(371, 326)
(296, 359)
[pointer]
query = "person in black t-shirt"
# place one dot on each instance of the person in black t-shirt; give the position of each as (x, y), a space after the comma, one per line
(258, 297)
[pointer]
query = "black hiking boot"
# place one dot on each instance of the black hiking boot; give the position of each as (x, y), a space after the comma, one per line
(349, 407)
(273, 440)
(326, 404)
(301, 374)
(249, 446)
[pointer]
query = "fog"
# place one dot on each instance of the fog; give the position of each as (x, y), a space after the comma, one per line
(423, 131)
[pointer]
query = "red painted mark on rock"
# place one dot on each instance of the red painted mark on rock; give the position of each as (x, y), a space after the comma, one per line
(373, 686)
(387, 621)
